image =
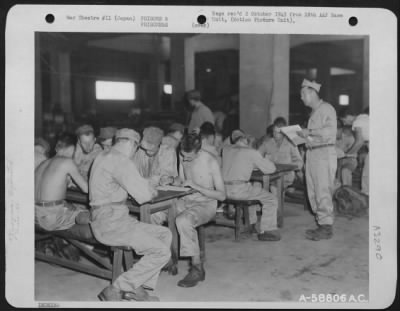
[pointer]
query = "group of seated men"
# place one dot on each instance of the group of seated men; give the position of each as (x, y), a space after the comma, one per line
(121, 162)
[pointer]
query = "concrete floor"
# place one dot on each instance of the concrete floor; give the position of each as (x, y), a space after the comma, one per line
(248, 270)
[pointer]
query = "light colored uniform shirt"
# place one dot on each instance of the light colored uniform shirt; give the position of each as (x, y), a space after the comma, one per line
(286, 153)
(168, 160)
(324, 125)
(344, 143)
(362, 121)
(238, 163)
(114, 176)
(84, 161)
(200, 115)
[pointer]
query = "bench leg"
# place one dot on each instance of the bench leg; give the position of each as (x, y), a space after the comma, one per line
(238, 221)
(128, 257)
(202, 243)
(117, 264)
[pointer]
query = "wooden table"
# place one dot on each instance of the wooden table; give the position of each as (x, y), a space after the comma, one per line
(165, 200)
(277, 177)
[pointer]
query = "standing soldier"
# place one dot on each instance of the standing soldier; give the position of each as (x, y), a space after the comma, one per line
(321, 159)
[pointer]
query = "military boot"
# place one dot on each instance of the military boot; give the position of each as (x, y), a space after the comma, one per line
(195, 275)
(323, 232)
(138, 294)
(110, 293)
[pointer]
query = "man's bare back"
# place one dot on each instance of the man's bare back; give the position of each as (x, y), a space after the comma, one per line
(200, 170)
(51, 178)
(204, 175)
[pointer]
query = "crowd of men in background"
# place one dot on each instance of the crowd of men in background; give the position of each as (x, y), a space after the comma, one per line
(216, 164)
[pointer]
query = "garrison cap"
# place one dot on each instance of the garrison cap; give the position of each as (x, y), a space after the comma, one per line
(312, 84)
(128, 134)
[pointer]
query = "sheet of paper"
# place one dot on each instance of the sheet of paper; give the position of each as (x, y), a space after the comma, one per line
(291, 133)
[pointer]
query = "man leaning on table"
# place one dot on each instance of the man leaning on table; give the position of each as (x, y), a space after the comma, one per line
(112, 178)
(238, 162)
(321, 159)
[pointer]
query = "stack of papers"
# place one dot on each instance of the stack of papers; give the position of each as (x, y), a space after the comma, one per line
(173, 188)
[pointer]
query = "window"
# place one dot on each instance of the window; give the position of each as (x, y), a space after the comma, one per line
(111, 90)
(344, 100)
(167, 88)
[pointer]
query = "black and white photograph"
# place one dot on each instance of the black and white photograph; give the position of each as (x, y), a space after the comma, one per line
(200, 166)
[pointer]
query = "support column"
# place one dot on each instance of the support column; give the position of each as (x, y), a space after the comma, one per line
(324, 77)
(365, 78)
(264, 81)
(38, 89)
(65, 82)
(177, 65)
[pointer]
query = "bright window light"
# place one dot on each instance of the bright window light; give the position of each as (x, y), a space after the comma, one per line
(344, 100)
(167, 88)
(111, 90)
(335, 71)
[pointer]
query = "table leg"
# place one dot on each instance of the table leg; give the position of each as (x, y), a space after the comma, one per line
(144, 213)
(266, 182)
(174, 244)
(279, 185)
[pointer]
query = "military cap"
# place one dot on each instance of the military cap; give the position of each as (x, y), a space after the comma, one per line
(153, 135)
(84, 129)
(312, 84)
(107, 132)
(128, 134)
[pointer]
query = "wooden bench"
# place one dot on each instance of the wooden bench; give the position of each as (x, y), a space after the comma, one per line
(80, 236)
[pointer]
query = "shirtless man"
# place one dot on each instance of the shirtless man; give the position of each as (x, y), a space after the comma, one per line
(87, 149)
(52, 176)
(208, 136)
(199, 170)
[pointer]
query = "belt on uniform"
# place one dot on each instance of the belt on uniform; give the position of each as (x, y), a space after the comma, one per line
(235, 182)
(107, 204)
(49, 203)
(319, 146)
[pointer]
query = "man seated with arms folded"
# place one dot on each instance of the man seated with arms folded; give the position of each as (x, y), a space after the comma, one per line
(52, 176)
(281, 151)
(86, 149)
(347, 163)
(167, 155)
(148, 159)
(238, 163)
(113, 177)
(106, 136)
(208, 135)
(200, 171)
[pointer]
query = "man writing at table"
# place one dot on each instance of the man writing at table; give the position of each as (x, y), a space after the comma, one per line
(150, 162)
(52, 176)
(113, 177)
(321, 159)
(238, 162)
(199, 170)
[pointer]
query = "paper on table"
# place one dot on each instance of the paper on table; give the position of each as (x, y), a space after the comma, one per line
(291, 133)
(173, 188)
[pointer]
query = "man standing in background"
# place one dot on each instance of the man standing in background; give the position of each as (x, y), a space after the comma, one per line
(321, 159)
(201, 113)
